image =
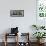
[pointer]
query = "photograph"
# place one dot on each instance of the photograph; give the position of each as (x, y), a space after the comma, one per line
(17, 13)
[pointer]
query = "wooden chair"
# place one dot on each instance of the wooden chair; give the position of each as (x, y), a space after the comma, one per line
(8, 34)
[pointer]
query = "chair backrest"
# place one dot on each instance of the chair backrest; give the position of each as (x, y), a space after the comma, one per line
(14, 30)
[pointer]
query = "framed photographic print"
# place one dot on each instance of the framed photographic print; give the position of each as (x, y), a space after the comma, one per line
(41, 12)
(17, 13)
(41, 8)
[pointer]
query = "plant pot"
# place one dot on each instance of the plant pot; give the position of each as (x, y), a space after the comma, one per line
(40, 41)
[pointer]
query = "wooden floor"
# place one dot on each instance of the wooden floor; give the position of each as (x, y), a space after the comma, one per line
(13, 44)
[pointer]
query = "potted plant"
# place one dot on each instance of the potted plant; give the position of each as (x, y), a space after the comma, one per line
(38, 27)
(42, 27)
(39, 35)
(35, 26)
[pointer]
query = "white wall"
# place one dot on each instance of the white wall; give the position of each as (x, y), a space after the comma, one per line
(24, 23)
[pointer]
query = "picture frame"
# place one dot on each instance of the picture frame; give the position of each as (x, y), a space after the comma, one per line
(41, 12)
(17, 13)
(41, 8)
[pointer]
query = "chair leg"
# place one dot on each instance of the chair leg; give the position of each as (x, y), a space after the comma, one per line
(5, 43)
(5, 40)
(17, 39)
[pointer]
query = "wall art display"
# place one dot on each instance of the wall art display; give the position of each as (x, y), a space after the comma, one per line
(41, 12)
(17, 13)
(41, 8)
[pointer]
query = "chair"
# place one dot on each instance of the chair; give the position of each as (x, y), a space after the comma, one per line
(14, 32)
(25, 43)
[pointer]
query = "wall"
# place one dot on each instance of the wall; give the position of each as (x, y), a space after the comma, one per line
(24, 23)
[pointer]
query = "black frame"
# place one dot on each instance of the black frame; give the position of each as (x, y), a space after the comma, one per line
(17, 13)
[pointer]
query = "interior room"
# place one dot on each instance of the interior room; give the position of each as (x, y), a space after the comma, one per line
(22, 22)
